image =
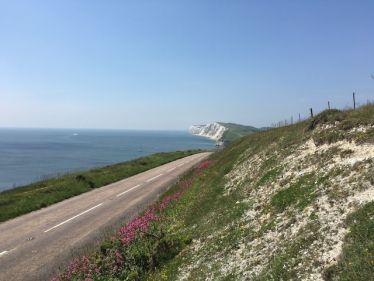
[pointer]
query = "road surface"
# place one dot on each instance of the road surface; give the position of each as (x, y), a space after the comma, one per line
(39, 245)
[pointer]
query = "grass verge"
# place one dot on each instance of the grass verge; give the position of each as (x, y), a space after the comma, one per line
(25, 199)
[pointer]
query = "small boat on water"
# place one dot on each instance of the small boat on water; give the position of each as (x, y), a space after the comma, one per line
(140, 148)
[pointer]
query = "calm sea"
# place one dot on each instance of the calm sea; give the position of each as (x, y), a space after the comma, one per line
(30, 155)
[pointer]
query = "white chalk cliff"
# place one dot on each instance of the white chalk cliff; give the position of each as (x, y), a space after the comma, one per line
(213, 130)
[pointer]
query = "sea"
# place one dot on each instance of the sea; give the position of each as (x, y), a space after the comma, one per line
(31, 155)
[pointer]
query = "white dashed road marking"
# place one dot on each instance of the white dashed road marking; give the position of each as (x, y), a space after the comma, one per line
(154, 177)
(3, 253)
(128, 190)
(73, 217)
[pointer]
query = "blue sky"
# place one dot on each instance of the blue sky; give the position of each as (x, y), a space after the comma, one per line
(172, 64)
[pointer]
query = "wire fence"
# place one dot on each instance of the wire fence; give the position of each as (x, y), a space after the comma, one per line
(298, 119)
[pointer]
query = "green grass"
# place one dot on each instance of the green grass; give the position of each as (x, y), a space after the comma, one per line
(300, 194)
(235, 131)
(357, 260)
(271, 175)
(344, 120)
(25, 199)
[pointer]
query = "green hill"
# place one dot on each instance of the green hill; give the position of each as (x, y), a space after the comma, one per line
(235, 131)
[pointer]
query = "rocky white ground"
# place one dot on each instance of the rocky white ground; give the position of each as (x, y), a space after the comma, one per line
(347, 166)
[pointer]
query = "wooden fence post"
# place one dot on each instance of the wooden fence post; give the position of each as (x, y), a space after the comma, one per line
(328, 104)
(354, 101)
(311, 112)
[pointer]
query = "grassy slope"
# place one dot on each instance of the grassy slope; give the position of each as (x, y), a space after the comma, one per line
(22, 200)
(260, 224)
(236, 131)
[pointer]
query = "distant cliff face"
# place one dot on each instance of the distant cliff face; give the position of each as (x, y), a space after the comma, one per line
(213, 130)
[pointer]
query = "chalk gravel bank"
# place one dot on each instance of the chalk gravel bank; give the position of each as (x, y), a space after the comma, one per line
(307, 239)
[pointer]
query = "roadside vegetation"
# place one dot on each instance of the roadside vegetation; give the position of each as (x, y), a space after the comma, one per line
(22, 200)
(235, 131)
(293, 203)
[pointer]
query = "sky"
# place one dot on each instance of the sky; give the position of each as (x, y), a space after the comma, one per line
(167, 65)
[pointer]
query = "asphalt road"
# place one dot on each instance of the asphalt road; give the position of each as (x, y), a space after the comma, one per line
(37, 246)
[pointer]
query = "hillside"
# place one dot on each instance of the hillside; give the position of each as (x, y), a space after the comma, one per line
(224, 133)
(293, 203)
(235, 131)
